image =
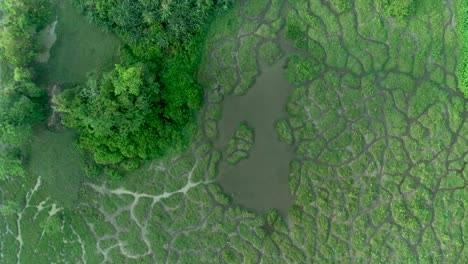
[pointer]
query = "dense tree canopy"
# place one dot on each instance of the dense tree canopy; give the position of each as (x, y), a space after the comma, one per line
(20, 108)
(160, 23)
(21, 101)
(124, 114)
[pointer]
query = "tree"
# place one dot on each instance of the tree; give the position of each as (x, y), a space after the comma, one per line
(164, 23)
(121, 115)
(10, 164)
(20, 108)
(21, 101)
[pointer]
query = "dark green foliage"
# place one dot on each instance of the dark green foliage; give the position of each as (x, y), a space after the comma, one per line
(296, 31)
(21, 101)
(125, 115)
(180, 93)
(10, 164)
(151, 24)
(20, 97)
(20, 108)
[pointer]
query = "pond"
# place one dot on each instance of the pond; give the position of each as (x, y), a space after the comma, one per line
(261, 181)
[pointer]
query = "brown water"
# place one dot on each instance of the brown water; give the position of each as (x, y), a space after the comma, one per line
(261, 181)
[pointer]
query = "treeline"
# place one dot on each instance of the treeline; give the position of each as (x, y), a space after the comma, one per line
(156, 24)
(21, 101)
(147, 105)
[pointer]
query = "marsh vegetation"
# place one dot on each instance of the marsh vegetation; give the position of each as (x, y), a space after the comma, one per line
(354, 146)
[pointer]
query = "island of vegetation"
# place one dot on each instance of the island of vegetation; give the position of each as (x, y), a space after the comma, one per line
(241, 144)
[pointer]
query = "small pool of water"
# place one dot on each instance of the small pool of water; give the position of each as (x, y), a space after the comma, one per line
(261, 181)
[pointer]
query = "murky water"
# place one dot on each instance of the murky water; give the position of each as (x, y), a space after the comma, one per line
(47, 38)
(261, 181)
(80, 47)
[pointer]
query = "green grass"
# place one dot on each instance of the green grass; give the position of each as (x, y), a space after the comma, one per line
(300, 69)
(270, 30)
(270, 52)
(462, 27)
(247, 65)
(296, 31)
(226, 52)
(341, 5)
(283, 130)
(241, 143)
(54, 158)
(369, 92)
(275, 9)
(254, 8)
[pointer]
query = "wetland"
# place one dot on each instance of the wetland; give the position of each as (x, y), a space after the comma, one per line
(330, 132)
